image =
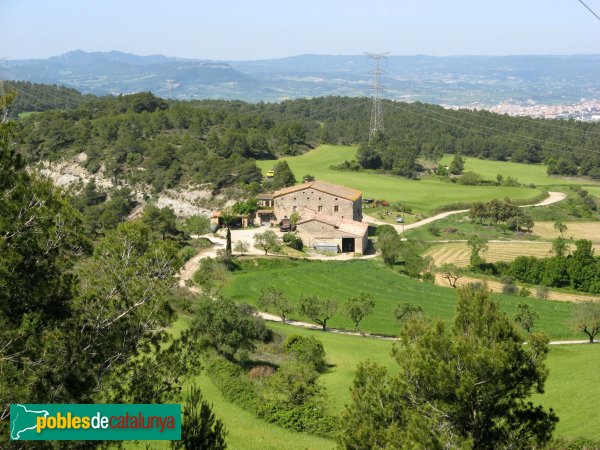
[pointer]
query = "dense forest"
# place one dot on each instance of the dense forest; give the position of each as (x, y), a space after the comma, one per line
(141, 138)
(34, 97)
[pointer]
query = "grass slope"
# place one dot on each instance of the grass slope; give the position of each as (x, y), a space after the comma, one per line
(574, 376)
(524, 173)
(342, 279)
(422, 195)
(571, 388)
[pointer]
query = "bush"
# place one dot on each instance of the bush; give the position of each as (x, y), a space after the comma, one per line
(295, 400)
(542, 292)
(261, 372)
(187, 252)
(510, 288)
(196, 225)
(524, 292)
(470, 179)
(428, 277)
(293, 241)
(230, 379)
(386, 229)
(434, 230)
(308, 350)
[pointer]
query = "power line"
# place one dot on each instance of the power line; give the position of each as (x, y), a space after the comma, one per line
(547, 143)
(500, 118)
(589, 9)
(557, 149)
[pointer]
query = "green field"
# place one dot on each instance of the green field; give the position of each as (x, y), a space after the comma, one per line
(593, 190)
(524, 173)
(572, 387)
(574, 377)
(342, 279)
(422, 195)
(462, 228)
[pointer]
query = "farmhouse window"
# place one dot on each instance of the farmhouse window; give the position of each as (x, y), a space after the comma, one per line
(335, 208)
(320, 208)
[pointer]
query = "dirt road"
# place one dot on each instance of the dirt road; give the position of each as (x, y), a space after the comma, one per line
(553, 197)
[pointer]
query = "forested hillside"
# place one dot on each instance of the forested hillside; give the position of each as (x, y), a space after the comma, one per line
(31, 97)
(144, 139)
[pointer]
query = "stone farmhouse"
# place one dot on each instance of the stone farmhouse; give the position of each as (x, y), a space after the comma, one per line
(329, 215)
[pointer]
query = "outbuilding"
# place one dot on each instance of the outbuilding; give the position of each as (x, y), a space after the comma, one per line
(348, 236)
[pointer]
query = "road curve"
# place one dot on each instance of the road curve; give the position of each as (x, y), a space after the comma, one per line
(553, 197)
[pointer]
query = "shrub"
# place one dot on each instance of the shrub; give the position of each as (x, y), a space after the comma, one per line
(261, 372)
(510, 288)
(428, 277)
(187, 252)
(542, 292)
(386, 229)
(293, 241)
(470, 179)
(230, 379)
(524, 292)
(434, 230)
(308, 350)
(295, 400)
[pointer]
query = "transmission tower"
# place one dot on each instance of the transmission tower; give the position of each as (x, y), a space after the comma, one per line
(171, 85)
(376, 112)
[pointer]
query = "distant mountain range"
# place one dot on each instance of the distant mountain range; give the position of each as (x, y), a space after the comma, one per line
(455, 80)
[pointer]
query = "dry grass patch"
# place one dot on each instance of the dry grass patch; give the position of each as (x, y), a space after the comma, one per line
(576, 230)
(458, 252)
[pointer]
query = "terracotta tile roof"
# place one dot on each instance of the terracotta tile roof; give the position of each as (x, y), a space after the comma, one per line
(264, 197)
(343, 225)
(290, 189)
(323, 186)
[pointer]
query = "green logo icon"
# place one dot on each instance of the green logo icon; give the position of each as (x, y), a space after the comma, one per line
(54, 422)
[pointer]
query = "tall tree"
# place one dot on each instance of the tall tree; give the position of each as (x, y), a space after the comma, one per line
(200, 429)
(283, 176)
(433, 402)
(457, 165)
(477, 244)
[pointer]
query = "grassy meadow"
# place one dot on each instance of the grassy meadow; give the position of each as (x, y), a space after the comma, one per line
(343, 279)
(571, 388)
(523, 173)
(574, 376)
(422, 195)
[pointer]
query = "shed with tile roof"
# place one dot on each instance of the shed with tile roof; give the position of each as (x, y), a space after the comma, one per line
(348, 236)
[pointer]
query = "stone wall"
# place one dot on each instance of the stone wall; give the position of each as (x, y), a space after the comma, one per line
(318, 202)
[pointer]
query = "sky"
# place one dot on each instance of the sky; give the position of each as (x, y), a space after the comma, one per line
(264, 29)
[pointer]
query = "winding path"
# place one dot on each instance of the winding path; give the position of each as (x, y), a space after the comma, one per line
(553, 197)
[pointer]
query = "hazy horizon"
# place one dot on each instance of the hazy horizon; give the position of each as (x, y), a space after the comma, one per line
(266, 29)
(308, 54)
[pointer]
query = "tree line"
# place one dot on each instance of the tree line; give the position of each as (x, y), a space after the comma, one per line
(142, 138)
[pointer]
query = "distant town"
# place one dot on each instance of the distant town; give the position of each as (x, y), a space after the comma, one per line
(585, 110)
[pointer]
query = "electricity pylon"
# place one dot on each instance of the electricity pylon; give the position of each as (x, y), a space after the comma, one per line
(376, 126)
